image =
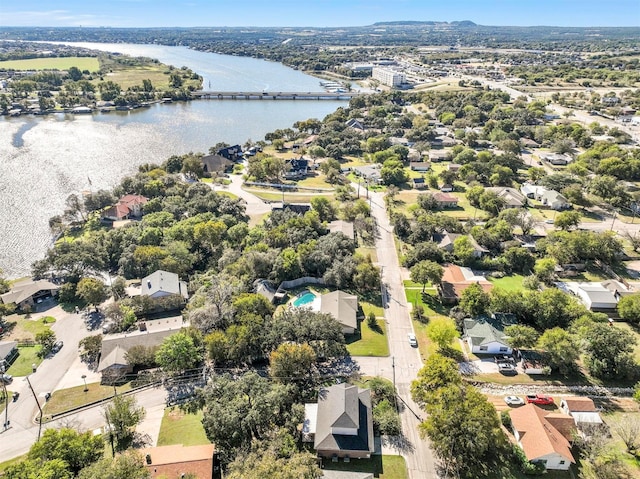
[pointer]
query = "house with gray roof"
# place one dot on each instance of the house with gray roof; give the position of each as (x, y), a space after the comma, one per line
(485, 334)
(554, 200)
(8, 353)
(113, 354)
(30, 292)
(343, 307)
(341, 424)
(163, 283)
(512, 197)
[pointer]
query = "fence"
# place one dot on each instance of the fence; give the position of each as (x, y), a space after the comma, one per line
(294, 283)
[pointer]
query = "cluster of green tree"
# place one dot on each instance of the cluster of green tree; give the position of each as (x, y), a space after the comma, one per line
(624, 74)
(462, 425)
(18, 50)
(67, 454)
(560, 326)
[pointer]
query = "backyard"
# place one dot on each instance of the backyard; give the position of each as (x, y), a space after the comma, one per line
(383, 467)
(179, 427)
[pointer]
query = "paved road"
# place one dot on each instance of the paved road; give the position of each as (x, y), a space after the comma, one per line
(417, 452)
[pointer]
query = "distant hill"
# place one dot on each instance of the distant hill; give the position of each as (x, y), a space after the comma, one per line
(462, 23)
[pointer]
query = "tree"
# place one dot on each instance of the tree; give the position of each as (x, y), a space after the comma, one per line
(92, 291)
(128, 465)
(141, 356)
(75, 449)
(90, 346)
(609, 352)
(545, 269)
(520, 336)
(291, 362)
(393, 172)
(122, 416)
(386, 419)
(177, 353)
(567, 220)
(474, 301)
(442, 331)
(438, 371)
(46, 338)
(463, 250)
(465, 432)
(326, 210)
(629, 308)
(561, 349)
(627, 428)
(239, 409)
(427, 271)
(52, 469)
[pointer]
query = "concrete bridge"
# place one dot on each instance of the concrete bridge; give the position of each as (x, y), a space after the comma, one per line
(262, 95)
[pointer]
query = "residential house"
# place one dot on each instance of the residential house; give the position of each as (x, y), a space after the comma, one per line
(265, 289)
(163, 283)
(544, 436)
(443, 142)
(532, 191)
(437, 156)
(582, 410)
(453, 167)
(446, 188)
(512, 197)
(129, 206)
(199, 462)
(529, 143)
(355, 124)
(113, 354)
(233, 153)
(593, 295)
(216, 164)
(618, 288)
(446, 240)
(420, 166)
(554, 200)
(456, 279)
(344, 227)
(557, 159)
(370, 173)
(296, 168)
(340, 425)
(445, 200)
(485, 334)
(8, 353)
(419, 183)
(343, 307)
(30, 293)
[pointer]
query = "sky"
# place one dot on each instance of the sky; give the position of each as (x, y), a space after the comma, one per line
(314, 13)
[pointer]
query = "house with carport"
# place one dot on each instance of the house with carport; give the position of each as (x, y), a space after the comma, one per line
(30, 293)
(583, 411)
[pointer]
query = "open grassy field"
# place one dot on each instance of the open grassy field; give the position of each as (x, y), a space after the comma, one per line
(21, 328)
(179, 427)
(382, 467)
(54, 63)
(276, 196)
(509, 283)
(369, 342)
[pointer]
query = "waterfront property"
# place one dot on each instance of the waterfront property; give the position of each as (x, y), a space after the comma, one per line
(30, 293)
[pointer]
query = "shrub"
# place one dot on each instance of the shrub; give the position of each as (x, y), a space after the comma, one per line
(506, 419)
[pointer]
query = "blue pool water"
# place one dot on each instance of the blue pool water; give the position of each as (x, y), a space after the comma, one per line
(306, 298)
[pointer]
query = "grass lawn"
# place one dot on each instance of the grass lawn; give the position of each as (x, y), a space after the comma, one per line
(27, 357)
(368, 307)
(179, 427)
(65, 399)
(63, 63)
(509, 283)
(383, 467)
(317, 181)
(368, 251)
(432, 309)
(276, 196)
(11, 462)
(368, 342)
(21, 328)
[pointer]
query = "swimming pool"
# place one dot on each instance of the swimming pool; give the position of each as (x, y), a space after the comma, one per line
(304, 299)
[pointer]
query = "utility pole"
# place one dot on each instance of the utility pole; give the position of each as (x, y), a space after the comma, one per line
(6, 401)
(395, 393)
(39, 408)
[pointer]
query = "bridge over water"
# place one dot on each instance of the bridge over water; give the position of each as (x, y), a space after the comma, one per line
(262, 95)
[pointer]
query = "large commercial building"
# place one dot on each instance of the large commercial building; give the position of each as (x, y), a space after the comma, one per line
(388, 77)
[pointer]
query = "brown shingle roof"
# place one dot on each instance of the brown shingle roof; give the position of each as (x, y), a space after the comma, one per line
(172, 461)
(538, 436)
(578, 404)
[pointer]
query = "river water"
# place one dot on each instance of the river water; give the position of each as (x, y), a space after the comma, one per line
(44, 159)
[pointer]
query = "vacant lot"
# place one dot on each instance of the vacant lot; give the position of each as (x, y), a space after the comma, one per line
(369, 342)
(64, 63)
(21, 328)
(179, 427)
(66, 399)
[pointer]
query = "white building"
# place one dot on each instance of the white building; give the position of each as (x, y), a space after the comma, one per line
(388, 77)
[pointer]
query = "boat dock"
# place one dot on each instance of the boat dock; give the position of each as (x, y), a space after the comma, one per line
(261, 95)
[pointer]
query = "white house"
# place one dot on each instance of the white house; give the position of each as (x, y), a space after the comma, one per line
(544, 436)
(485, 335)
(582, 410)
(163, 283)
(592, 295)
(554, 200)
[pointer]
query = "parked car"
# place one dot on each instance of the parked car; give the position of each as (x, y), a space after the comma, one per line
(57, 346)
(507, 368)
(539, 399)
(413, 341)
(7, 378)
(514, 400)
